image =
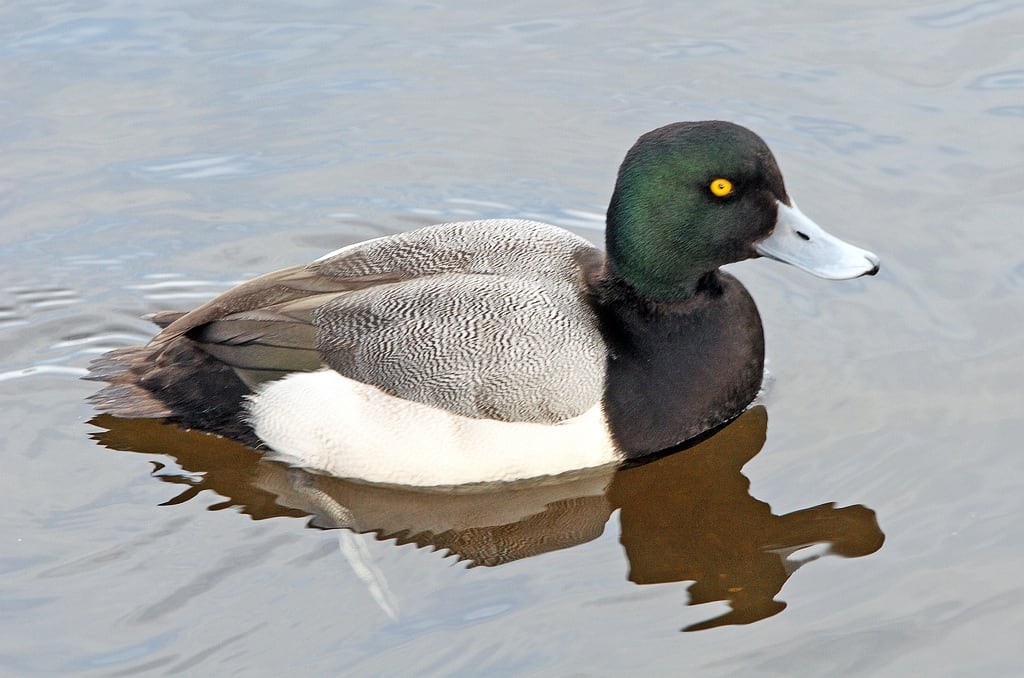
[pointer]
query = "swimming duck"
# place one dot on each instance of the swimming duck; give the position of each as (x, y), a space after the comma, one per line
(499, 349)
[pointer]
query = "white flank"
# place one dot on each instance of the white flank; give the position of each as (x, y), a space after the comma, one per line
(325, 421)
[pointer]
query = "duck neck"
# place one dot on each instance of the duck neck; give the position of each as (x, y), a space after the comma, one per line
(662, 265)
(618, 290)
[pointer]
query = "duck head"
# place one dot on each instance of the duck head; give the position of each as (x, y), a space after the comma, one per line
(693, 196)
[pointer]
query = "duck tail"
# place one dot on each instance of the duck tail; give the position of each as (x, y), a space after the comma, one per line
(125, 370)
(174, 379)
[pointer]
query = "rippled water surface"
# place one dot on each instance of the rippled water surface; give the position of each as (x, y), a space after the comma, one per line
(864, 520)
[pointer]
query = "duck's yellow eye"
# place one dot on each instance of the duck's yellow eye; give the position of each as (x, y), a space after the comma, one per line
(721, 187)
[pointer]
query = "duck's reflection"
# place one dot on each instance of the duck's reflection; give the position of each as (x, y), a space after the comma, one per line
(687, 516)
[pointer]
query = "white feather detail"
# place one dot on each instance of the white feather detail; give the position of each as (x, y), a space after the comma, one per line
(349, 248)
(323, 420)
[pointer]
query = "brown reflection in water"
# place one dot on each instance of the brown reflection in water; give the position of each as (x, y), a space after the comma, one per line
(687, 516)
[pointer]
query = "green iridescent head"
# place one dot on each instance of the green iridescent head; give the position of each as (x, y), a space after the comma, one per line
(690, 197)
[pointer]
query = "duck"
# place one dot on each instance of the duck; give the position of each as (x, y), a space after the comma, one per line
(499, 349)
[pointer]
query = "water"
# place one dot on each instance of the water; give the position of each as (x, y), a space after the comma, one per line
(153, 156)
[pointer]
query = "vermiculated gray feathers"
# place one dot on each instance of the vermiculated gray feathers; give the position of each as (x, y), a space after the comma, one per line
(492, 321)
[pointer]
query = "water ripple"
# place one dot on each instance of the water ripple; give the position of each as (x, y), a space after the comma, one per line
(205, 168)
(1007, 111)
(685, 49)
(1002, 80)
(108, 338)
(32, 299)
(169, 288)
(969, 14)
(844, 137)
(38, 370)
(99, 34)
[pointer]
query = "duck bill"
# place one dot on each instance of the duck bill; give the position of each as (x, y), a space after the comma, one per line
(798, 241)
